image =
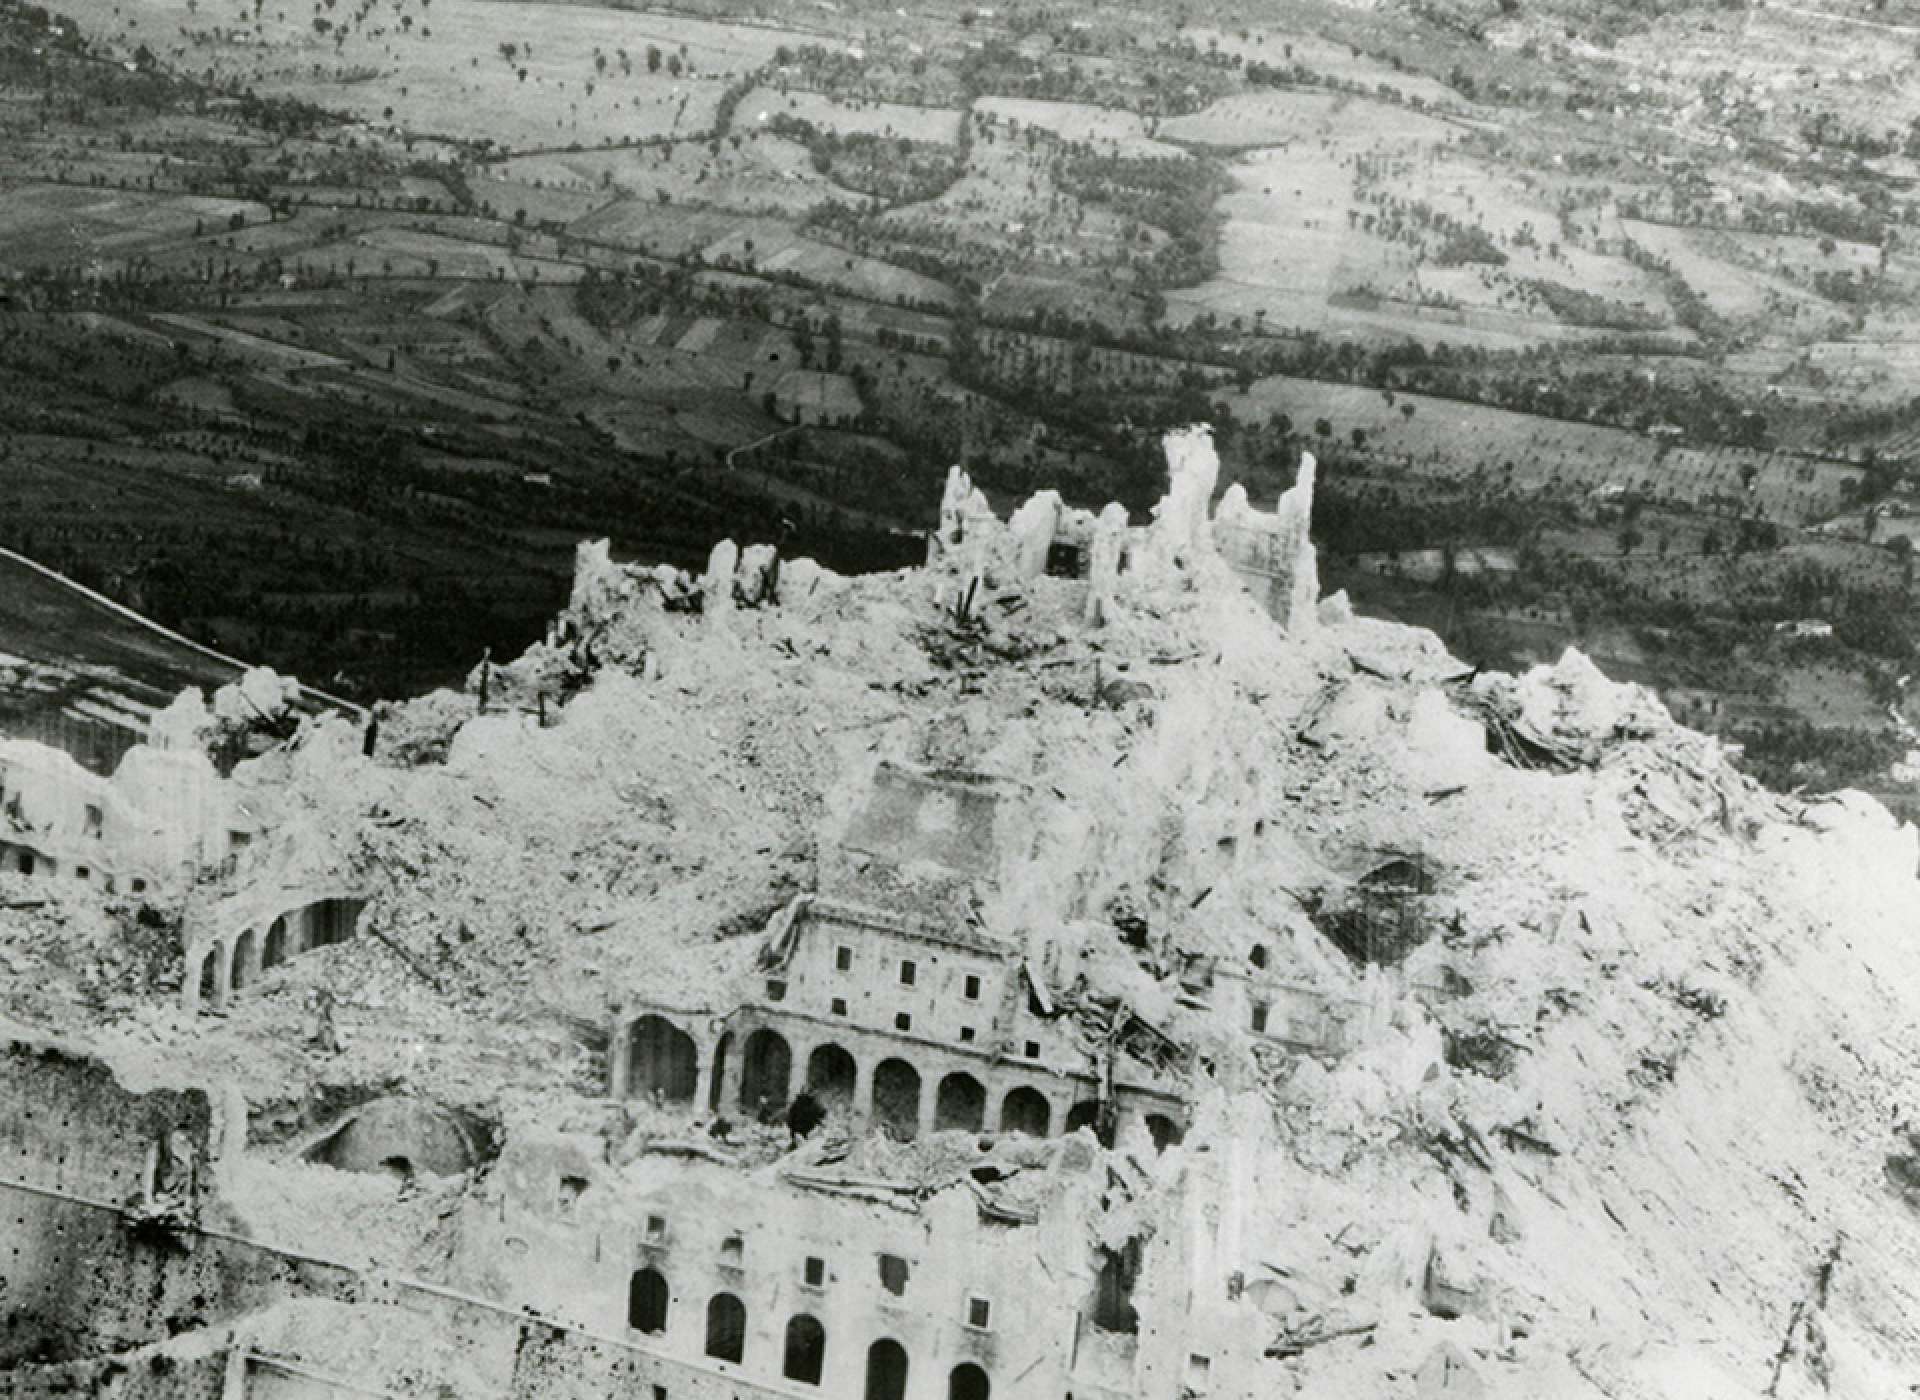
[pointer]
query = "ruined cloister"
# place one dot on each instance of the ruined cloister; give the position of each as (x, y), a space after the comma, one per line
(219, 968)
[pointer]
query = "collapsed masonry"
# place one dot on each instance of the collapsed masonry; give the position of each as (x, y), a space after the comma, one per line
(1089, 965)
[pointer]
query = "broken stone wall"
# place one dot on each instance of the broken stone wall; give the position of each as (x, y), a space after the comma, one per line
(81, 1279)
(67, 1124)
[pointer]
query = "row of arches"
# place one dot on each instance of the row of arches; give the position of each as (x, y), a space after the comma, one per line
(663, 1064)
(224, 969)
(803, 1353)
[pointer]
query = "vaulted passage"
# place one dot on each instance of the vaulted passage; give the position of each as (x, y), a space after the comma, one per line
(333, 920)
(766, 1066)
(647, 1301)
(726, 1328)
(210, 980)
(664, 1061)
(886, 1370)
(806, 1356)
(961, 1103)
(1113, 1308)
(1025, 1110)
(968, 1382)
(896, 1098)
(831, 1076)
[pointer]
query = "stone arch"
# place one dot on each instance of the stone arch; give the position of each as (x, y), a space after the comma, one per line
(806, 1354)
(969, 1382)
(832, 1076)
(896, 1097)
(209, 979)
(664, 1061)
(243, 964)
(1085, 1114)
(886, 1370)
(726, 1327)
(766, 1065)
(1026, 1110)
(275, 950)
(1165, 1132)
(648, 1301)
(961, 1103)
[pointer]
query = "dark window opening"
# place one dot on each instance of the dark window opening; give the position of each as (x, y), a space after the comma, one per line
(726, 1328)
(1164, 1132)
(664, 1061)
(1033, 1049)
(732, 1251)
(1258, 957)
(815, 1272)
(903, 1021)
(886, 1371)
(979, 1313)
(831, 1075)
(647, 1301)
(843, 959)
(765, 1074)
(839, 1006)
(896, 1098)
(572, 1188)
(1260, 1018)
(1113, 1309)
(972, 987)
(966, 1034)
(893, 1274)
(960, 1104)
(776, 989)
(907, 972)
(968, 1382)
(656, 1229)
(1066, 559)
(806, 1355)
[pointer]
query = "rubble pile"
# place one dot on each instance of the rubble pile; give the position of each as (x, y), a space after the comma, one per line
(1526, 1048)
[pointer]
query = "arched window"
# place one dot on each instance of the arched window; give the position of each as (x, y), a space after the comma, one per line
(647, 1302)
(896, 1097)
(726, 1328)
(766, 1065)
(886, 1370)
(968, 1382)
(664, 1061)
(1025, 1110)
(806, 1350)
(961, 1103)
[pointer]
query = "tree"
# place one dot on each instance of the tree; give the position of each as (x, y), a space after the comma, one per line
(653, 58)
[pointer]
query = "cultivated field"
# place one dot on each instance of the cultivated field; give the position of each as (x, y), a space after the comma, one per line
(940, 125)
(1110, 131)
(63, 225)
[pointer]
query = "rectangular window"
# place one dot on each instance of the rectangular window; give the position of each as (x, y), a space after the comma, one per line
(903, 1021)
(843, 959)
(907, 972)
(893, 1274)
(979, 1313)
(816, 1273)
(972, 987)
(839, 1006)
(1260, 1017)
(80, 872)
(732, 1251)
(572, 1188)
(1033, 1049)
(96, 820)
(656, 1229)
(966, 1035)
(776, 989)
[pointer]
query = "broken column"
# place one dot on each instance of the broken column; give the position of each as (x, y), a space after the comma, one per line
(717, 587)
(1103, 561)
(1179, 531)
(1032, 527)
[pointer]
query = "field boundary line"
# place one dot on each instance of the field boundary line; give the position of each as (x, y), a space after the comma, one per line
(140, 619)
